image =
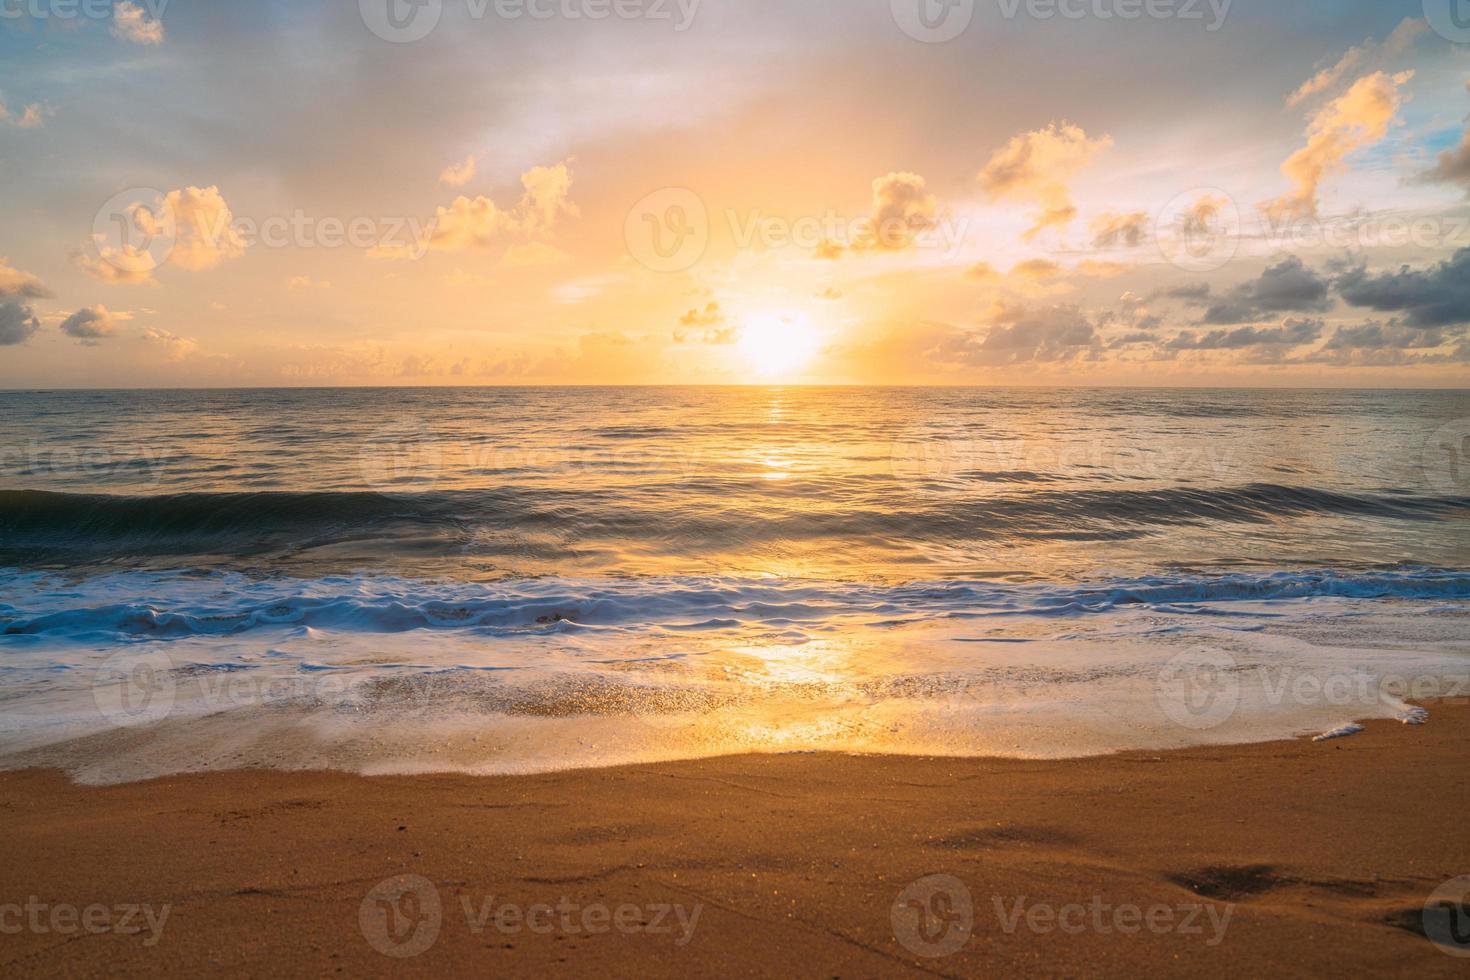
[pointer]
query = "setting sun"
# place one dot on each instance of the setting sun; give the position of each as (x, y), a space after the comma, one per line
(777, 344)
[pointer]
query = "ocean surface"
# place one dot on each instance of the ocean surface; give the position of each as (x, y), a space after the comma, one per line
(507, 580)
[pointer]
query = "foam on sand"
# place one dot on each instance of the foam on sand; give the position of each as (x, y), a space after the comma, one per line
(381, 674)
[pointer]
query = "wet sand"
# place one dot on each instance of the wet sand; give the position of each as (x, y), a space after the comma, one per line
(1284, 858)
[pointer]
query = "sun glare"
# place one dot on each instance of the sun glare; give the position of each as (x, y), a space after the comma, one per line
(776, 345)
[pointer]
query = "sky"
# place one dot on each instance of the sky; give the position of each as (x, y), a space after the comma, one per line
(205, 193)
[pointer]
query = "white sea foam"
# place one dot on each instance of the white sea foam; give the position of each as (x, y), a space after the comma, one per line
(380, 674)
(1341, 731)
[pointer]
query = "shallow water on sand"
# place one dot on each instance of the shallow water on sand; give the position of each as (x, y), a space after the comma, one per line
(512, 579)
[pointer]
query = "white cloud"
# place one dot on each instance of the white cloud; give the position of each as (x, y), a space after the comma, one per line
(174, 347)
(31, 117)
(132, 23)
(459, 174)
(191, 228)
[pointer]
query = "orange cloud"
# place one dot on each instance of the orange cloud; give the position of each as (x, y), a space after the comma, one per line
(459, 174)
(1358, 119)
(1037, 167)
(1111, 229)
(475, 223)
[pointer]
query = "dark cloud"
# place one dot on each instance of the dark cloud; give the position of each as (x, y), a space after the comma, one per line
(1453, 166)
(1438, 296)
(17, 324)
(89, 325)
(1287, 287)
(1290, 333)
(1386, 336)
(1193, 292)
(1021, 335)
(1111, 230)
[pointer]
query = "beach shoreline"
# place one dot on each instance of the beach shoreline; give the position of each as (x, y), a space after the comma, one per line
(1294, 857)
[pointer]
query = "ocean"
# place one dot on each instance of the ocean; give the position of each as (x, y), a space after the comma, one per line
(520, 579)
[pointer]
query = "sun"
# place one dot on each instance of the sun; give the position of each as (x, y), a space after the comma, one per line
(776, 345)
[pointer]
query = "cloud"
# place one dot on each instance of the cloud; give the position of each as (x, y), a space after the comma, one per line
(174, 347)
(132, 23)
(306, 282)
(1037, 269)
(547, 197)
(191, 228)
(459, 174)
(469, 223)
(1434, 297)
(982, 272)
(13, 282)
(125, 266)
(204, 230)
(1385, 336)
(1291, 333)
(1287, 287)
(903, 209)
(1353, 121)
(1453, 166)
(1190, 292)
(1359, 58)
(1110, 229)
(478, 222)
(90, 325)
(31, 117)
(1393, 344)
(1036, 168)
(711, 319)
(17, 324)
(1021, 335)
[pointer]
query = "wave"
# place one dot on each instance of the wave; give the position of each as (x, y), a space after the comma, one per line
(181, 605)
(673, 518)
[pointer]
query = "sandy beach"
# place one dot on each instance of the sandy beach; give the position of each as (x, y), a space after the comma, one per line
(1286, 858)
